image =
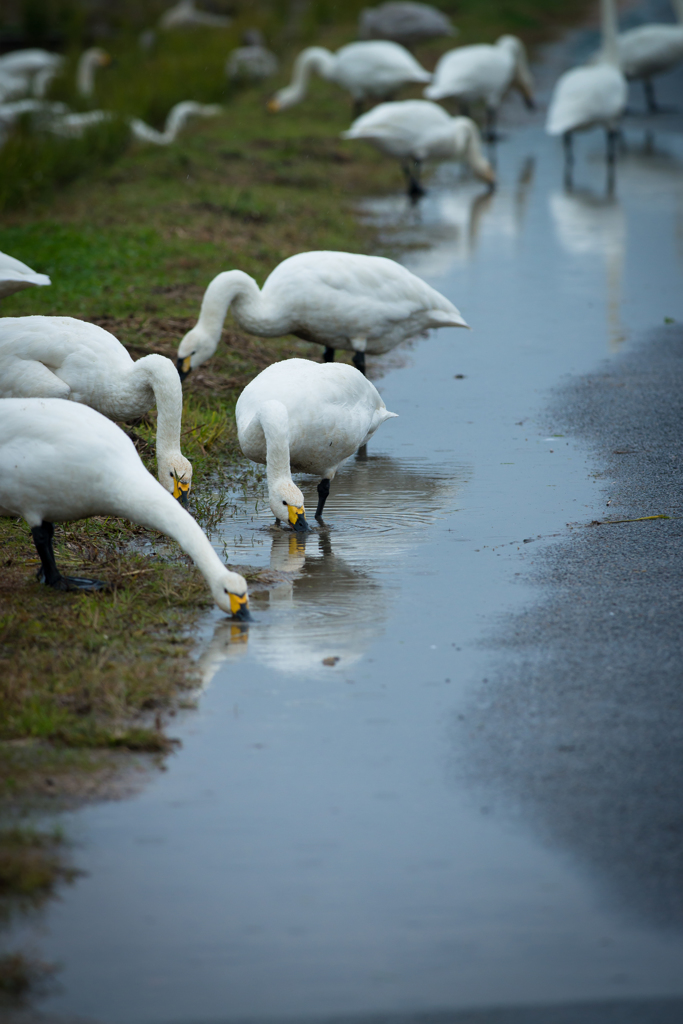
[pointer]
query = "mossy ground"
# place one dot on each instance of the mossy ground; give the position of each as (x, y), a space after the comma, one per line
(131, 245)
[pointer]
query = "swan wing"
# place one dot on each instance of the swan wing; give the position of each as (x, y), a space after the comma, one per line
(650, 49)
(399, 127)
(380, 65)
(15, 275)
(473, 72)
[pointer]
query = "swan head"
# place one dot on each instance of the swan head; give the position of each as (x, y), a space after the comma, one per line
(196, 347)
(229, 591)
(175, 474)
(287, 504)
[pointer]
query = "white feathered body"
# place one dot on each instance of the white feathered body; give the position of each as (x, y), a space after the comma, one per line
(413, 129)
(472, 73)
(60, 462)
(60, 357)
(371, 69)
(15, 276)
(586, 97)
(337, 298)
(650, 49)
(332, 410)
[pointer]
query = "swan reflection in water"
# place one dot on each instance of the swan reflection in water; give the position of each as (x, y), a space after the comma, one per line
(589, 225)
(336, 585)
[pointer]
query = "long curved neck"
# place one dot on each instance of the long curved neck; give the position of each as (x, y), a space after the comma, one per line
(274, 420)
(474, 153)
(158, 373)
(157, 509)
(226, 288)
(85, 75)
(315, 58)
(608, 21)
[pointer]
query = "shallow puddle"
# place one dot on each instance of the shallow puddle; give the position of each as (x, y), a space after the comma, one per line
(316, 846)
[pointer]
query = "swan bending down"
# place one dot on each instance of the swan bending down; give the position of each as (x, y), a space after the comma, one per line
(483, 73)
(60, 461)
(416, 130)
(175, 122)
(307, 417)
(59, 357)
(336, 299)
(368, 70)
(650, 50)
(15, 276)
(591, 97)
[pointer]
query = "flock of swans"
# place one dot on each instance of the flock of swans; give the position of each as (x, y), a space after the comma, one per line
(65, 383)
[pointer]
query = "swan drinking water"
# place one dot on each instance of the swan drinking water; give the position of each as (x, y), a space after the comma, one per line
(307, 417)
(60, 461)
(590, 97)
(15, 276)
(368, 70)
(416, 130)
(59, 357)
(336, 299)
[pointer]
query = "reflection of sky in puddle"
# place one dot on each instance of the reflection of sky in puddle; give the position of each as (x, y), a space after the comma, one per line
(315, 854)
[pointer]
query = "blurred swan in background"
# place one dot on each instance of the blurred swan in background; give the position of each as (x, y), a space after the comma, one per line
(341, 300)
(15, 276)
(176, 120)
(404, 23)
(650, 50)
(88, 63)
(61, 461)
(251, 61)
(413, 131)
(305, 417)
(367, 70)
(483, 73)
(592, 96)
(185, 15)
(35, 68)
(60, 357)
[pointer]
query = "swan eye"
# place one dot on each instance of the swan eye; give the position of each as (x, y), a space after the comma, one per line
(225, 590)
(284, 502)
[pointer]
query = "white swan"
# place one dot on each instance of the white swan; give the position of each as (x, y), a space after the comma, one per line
(368, 70)
(589, 97)
(59, 357)
(36, 67)
(60, 461)
(88, 63)
(336, 299)
(175, 122)
(403, 22)
(15, 276)
(252, 60)
(416, 130)
(483, 73)
(650, 50)
(185, 15)
(307, 417)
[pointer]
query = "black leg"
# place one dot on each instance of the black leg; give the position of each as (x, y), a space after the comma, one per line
(359, 361)
(362, 453)
(328, 354)
(48, 572)
(568, 159)
(323, 492)
(357, 108)
(650, 98)
(491, 120)
(612, 137)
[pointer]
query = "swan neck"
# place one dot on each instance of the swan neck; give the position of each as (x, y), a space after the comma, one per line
(163, 513)
(274, 421)
(315, 58)
(608, 21)
(228, 287)
(159, 374)
(85, 75)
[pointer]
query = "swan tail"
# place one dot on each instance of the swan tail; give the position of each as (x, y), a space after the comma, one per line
(443, 318)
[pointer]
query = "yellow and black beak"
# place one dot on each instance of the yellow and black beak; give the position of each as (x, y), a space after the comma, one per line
(180, 490)
(239, 606)
(184, 366)
(273, 106)
(297, 517)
